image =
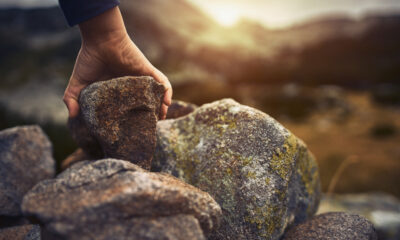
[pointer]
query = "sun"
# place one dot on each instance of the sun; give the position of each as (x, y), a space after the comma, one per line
(226, 16)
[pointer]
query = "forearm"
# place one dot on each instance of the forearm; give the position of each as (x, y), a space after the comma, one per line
(106, 27)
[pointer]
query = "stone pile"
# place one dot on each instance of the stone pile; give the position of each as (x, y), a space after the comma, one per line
(219, 171)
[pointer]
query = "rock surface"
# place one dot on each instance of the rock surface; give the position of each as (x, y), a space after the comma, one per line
(111, 197)
(25, 159)
(25, 232)
(335, 225)
(179, 109)
(120, 115)
(177, 227)
(263, 176)
(383, 210)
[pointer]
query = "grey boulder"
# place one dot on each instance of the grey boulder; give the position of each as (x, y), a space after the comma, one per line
(263, 177)
(25, 159)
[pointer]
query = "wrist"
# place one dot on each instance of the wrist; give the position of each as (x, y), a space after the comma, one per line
(106, 28)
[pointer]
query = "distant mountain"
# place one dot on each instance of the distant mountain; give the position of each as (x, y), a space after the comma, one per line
(189, 46)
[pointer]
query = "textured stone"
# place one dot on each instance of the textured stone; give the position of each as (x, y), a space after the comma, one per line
(179, 109)
(89, 194)
(177, 227)
(335, 225)
(24, 232)
(25, 159)
(382, 209)
(119, 116)
(263, 176)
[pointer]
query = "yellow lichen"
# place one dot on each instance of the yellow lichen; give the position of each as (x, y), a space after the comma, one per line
(283, 158)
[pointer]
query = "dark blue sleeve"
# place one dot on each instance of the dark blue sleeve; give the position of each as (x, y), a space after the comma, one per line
(77, 11)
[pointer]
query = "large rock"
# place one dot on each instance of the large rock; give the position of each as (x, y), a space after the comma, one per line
(335, 225)
(263, 176)
(179, 109)
(25, 159)
(382, 209)
(120, 116)
(177, 227)
(24, 232)
(112, 197)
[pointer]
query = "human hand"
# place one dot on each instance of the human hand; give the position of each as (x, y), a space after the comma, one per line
(108, 52)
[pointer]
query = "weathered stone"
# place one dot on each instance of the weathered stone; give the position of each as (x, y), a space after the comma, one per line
(120, 116)
(24, 232)
(81, 135)
(179, 109)
(263, 176)
(89, 194)
(77, 156)
(25, 159)
(335, 225)
(177, 227)
(382, 209)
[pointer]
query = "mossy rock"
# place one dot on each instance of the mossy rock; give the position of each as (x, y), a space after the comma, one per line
(263, 176)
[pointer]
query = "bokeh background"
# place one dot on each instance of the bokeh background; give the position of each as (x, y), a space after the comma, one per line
(327, 70)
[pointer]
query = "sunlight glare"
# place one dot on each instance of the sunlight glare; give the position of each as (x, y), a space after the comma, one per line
(226, 17)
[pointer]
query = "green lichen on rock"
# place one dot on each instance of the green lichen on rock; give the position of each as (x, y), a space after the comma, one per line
(263, 176)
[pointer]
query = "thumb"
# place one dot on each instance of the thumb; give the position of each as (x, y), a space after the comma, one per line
(71, 101)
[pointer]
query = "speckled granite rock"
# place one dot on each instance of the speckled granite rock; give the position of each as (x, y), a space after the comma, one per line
(335, 225)
(24, 232)
(263, 176)
(179, 109)
(25, 159)
(177, 227)
(382, 209)
(121, 115)
(89, 194)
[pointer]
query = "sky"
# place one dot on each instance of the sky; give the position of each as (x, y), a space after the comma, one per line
(282, 13)
(272, 13)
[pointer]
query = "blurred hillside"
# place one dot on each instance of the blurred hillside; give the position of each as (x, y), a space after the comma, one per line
(316, 73)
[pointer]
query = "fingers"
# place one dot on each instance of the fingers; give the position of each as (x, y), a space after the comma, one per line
(70, 99)
(163, 112)
(161, 78)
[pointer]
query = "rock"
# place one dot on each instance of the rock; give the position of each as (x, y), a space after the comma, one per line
(179, 227)
(77, 156)
(120, 116)
(25, 159)
(120, 194)
(85, 140)
(25, 232)
(263, 176)
(382, 209)
(179, 109)
(335, 225)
